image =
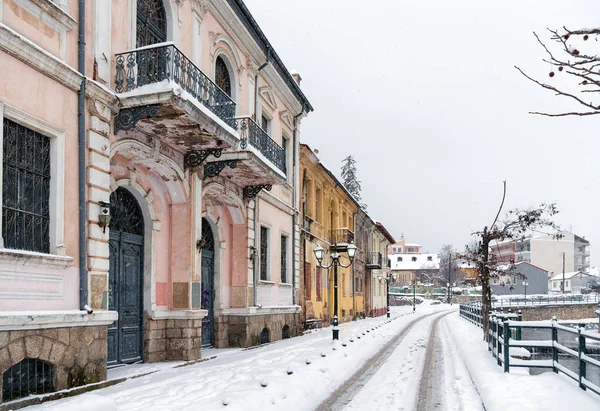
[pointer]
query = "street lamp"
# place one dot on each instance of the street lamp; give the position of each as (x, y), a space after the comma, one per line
(335, 261)
(388, 277)
(525, 284)
(448, 286)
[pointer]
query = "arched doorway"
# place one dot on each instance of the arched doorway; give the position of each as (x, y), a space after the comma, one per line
(208, 283)
(126, 278)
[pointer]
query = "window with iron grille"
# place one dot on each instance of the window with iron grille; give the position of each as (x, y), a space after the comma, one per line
(28, 377)
(264, 253)
(222, 76)
(284, 258)
(25, 188)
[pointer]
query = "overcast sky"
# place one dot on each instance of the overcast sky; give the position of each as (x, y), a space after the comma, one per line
(424, 94)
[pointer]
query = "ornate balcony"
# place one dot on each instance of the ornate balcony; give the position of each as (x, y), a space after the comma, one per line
(374, 260)
(339, 238)
(251, 133)
(163, 91)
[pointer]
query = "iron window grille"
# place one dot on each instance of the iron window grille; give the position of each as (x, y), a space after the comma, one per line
(222, 76)
(264, 253)
(284, 276)
(28, 377)
(25, 188)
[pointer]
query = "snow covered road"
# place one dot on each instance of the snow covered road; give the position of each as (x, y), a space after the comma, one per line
(416, 375)
(431, 360)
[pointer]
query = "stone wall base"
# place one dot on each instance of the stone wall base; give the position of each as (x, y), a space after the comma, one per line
(172, 340)
(245, 330)
(78, 354)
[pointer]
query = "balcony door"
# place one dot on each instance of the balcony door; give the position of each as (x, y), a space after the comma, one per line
(151, 23)
(151, 28)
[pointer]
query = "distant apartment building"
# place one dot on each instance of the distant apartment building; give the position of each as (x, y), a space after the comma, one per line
(504, 251)
(547, 252)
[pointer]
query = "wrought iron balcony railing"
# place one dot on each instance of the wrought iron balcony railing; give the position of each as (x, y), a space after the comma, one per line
(251, 133)
(375, 259)
(340, 236)
(154, 64)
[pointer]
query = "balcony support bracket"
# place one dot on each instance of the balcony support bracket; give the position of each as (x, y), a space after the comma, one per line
(194, 158)
(128, 117)
(214, 168)
(252, 191)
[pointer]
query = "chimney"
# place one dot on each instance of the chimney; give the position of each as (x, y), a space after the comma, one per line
(296, 76)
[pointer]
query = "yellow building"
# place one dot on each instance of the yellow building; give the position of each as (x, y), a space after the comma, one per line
(328, 214)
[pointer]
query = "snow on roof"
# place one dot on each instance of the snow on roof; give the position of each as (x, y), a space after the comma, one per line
(415, 261)
(568, 276)
(412, 245)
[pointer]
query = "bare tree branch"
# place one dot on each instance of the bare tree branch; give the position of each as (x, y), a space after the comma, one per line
(590, 113)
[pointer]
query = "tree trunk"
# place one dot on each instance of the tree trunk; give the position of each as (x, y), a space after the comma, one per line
(486, 300)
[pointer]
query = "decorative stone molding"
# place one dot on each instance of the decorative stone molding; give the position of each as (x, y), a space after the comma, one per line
(29, 320)
(268, 96)
(287, 118)
(228, 19)
(224, 42)
(177, 314)
(200, 7)
(34, 56)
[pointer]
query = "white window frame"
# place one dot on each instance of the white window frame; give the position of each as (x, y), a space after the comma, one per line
(285, 141)
(57, 172)
(269, 117)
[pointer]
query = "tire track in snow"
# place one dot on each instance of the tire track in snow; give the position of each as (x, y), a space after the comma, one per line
(431, 392)
(461, 392)
(344, 394)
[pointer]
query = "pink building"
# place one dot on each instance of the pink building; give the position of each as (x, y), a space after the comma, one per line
(183, 123)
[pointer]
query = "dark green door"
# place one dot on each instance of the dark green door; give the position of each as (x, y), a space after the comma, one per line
(126, 244)
(208, 280)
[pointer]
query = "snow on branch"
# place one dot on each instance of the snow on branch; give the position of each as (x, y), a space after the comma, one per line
(571, 60)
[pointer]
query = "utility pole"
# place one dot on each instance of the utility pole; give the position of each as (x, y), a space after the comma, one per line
(563, 280)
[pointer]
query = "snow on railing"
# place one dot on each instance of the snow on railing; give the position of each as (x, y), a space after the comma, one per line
(505, 332)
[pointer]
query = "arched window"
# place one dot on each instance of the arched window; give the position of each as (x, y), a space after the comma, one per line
(151, 23)
(264, 336)
(222, 78)
(28, 377)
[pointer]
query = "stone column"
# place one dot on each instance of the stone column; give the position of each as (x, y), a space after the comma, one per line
(98, 186)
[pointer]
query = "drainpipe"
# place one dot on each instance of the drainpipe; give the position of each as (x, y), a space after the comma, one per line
(256, 84)
(81, 152)
(294, 204)
(256, 198)
(354, 215)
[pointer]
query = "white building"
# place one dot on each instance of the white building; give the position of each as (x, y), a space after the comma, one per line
(574, 281)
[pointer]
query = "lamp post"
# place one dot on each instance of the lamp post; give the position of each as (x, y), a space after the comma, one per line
(414, 293)
(448, 286)
(388, 277)
(525, 284)
(335, 261)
